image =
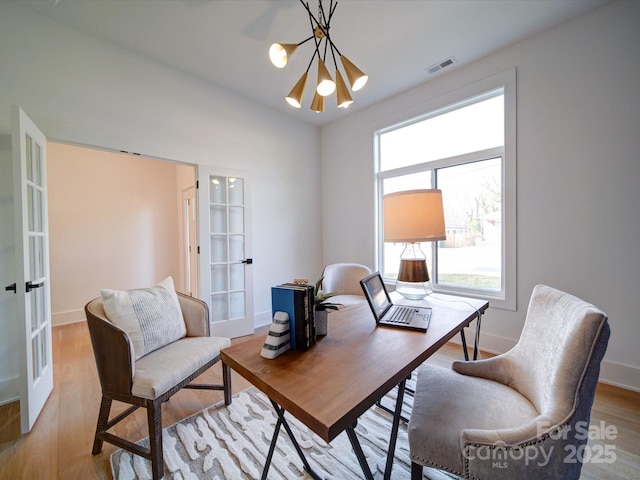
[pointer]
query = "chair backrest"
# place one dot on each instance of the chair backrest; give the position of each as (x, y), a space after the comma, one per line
(556, 362)
(344, 278)
(112, 349)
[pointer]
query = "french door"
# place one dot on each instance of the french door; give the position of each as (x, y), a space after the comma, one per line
(32, 266)
(226, 273)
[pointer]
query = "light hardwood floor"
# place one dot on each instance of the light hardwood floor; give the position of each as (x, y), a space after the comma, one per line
(59, 446)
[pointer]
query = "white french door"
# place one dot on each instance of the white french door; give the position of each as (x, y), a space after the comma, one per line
(32, 266)
(226, 273)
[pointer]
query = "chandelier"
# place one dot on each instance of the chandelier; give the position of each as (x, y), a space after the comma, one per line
(279, 54)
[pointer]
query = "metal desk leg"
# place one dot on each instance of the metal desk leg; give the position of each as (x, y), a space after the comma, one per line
(392, 440)
(464, 345)
(283, 422)
(359, 453)
(394, 431)
(408, 390)
(476, 345)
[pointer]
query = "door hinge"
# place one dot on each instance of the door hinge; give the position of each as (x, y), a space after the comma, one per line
(198, 249)
(197, 184)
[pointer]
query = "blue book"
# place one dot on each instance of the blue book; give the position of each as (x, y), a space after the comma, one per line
(283, 299)
(294, 300)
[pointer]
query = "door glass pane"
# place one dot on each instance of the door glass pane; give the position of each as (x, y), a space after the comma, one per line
(43, 351)
(219, 278)
(237, 305)
(35, 352)
(37, 168)
(31, 201)
(34, 209)
(218, 248)
(236, 219)
(217, 190)
(38, 354)
(33, 303)
(27, 149)
(236, 248)
(36, 257)
(237, 277)
(38, 211)
(41, 313)
(236, 191)
(219, 310)
(471, 256)
(218, 220)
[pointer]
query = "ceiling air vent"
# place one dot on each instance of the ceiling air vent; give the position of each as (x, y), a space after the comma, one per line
(440, 65)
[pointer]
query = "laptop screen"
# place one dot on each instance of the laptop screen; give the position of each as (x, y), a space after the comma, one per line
(376, 294)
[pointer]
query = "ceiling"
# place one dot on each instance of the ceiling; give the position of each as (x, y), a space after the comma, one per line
(225, 42)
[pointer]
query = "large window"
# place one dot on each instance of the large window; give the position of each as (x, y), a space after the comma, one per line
(466, 148)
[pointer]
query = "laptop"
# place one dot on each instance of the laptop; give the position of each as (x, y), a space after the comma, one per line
(388, 314)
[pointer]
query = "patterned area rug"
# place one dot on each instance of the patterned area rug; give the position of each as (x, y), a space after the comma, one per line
(232, 443)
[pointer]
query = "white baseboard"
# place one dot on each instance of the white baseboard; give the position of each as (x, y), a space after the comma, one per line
(262, 319)
(70, 316)
(9, 390)
(623, 376)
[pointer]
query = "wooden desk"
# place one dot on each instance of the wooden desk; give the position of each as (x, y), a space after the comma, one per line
(329, 386)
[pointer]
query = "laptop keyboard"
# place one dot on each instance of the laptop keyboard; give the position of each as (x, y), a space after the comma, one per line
(401, 315)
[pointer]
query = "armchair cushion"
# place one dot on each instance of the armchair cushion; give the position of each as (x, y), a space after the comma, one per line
(151, 317)
(441, 406)
(160, 370)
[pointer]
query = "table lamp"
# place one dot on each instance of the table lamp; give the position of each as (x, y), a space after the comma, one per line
(412, 217)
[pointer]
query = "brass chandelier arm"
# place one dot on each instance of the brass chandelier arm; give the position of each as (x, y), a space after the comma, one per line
(325, 84)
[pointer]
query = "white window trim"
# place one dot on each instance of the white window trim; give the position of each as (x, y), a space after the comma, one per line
(506, 299)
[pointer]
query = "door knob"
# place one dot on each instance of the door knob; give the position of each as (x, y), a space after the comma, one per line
(11, 287)
(248, 261)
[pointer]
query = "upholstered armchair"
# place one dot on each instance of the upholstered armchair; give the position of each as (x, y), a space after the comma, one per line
(130, 374)
(343, 279)
(519, 414)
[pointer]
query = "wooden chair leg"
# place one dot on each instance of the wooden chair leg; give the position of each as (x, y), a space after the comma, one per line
(226, 382)
(101, 427)
(416, 471)
(154, 417)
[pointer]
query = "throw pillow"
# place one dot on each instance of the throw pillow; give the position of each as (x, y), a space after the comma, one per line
(152, 317)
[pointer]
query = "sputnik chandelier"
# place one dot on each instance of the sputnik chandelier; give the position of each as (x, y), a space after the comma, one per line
(279, 54)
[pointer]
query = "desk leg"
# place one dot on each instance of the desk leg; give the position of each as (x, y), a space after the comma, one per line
(476, 346)
(408, 390)
(464, 345)
(353, 438)
(476, 343)
(272, 447)
(283, 422)
(397, 415)
(394, 430)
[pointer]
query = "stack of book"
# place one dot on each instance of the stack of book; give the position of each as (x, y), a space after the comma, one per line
(297, 300)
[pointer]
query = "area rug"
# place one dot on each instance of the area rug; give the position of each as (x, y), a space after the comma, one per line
(232, 443)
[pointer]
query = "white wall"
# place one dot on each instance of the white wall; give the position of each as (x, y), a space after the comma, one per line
(578, 170)
(81, 90)
(113, 223)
